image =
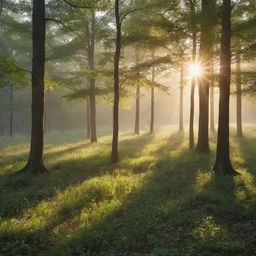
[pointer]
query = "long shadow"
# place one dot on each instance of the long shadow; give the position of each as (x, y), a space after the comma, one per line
(139, 224)
(23, 191)
(179, 208)
(136, 225)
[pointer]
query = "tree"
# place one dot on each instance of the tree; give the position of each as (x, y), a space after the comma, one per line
(181, 122)
(239, 129)
(212, 83)
(116, 84)
(152, 113)
(35, 163)
(137, 105)
(91, 50)
(223, 163)
(208, 17)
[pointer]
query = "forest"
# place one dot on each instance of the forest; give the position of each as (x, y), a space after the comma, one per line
(127, 127)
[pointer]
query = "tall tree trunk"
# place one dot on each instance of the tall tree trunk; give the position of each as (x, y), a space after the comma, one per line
(35, 162)
(223, 163)
(193, 82)
(88, 118)
(152, 118)
(239, 129)
(116, 84)
(91, 50)
(212, 122)
(181, 122)
(137, 111)
(137, 108)
(205, 56)
(46, 117)
(11, 111)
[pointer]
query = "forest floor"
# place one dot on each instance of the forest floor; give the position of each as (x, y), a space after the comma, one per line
(161, 199)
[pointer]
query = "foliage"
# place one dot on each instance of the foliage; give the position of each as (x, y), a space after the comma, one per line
(10, 73)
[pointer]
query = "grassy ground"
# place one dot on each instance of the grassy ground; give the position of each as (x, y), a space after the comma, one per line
(161, 199)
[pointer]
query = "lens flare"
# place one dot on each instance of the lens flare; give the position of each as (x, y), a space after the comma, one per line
(194, 69)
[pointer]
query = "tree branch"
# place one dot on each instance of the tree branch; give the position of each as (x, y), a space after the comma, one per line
(82, 6)
(129, 12)
(64, 25)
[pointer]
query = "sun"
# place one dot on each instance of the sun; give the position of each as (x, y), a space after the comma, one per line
(194, 69)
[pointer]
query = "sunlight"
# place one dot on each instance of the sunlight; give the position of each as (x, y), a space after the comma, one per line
(194, 69)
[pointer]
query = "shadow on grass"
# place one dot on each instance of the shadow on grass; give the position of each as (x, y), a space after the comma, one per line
(152, 216)
(21, 191)
(177, 208)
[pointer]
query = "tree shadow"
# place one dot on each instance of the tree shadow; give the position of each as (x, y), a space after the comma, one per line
(21, 191)
(177, 207)
(137, 225)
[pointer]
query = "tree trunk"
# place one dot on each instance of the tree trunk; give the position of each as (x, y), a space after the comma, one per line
(207, 39)
(193, 82)
(88, 118)
(181, 122)
(137, 111)
(35, 163)
(91, 50)
(137, 108)
(152, 118)
(239, 128)
(11, 111)
(223, 163)
(212, 122)
(46, 118)
(116, 85)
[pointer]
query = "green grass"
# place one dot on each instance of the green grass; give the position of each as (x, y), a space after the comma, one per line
(161, 199)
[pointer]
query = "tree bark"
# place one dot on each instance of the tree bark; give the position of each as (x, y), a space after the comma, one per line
(11, 111)
(223, 163)
(193, 82)
(205, 56)
(181, 121)
(137, 107)
(35, 162)
(137, 112)
(88, 118)
(91, 51)
(239, 129)
(46, 117)
(116, 85)
(212, 122)
(152, 117)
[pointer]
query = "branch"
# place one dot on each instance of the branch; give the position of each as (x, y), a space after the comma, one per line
(129, 12)
(82, 6)
(65, 26)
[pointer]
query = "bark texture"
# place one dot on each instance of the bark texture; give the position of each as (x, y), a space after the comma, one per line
(35, 163)
(212, 114)
(152, 116)
(91, 52)
(207, 38)
(116, 85)
(88, 118)
(181, 121)
(223, 163)
(239, 128)
(137, 105)
(193, 82)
